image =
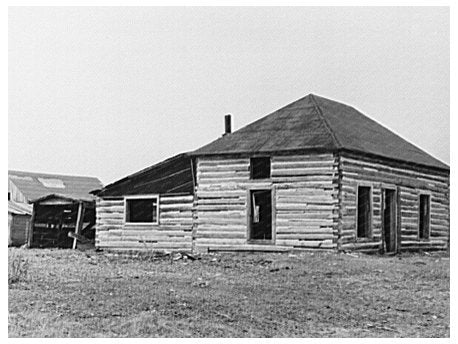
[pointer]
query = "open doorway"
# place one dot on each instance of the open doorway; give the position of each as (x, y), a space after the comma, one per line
(364, 209)
(260, 216)
(389, 220)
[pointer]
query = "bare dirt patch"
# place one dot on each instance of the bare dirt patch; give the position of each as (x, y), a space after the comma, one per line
(86, 294)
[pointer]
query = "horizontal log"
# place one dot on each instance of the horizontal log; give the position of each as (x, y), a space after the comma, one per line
(221, 227)
(209, 182)
(283, 165)
(361, 245)
(221, 207)
(221, 220)
(177, 216)
(303, 181)
(317, 199)
(158, 233)
(130, 251)
(180, 206)
(308, 157)
(304, 236)
(112, 216)
(251, 248)
(304, 243)
(220, 235)
(224, 168)
(139, 245)
(310, 207)
(222, 201)
(216, 241)
(302, 221)
(305, 214)
(201, 162)
(162, 240)
(176, 199)
(304, 230)
(327, 170)
(110, 209)
(227, 193)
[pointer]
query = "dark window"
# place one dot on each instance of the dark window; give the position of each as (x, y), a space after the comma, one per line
(364, 212)
(260, 168)
(9, 196)
(423, 231)
(141, 210)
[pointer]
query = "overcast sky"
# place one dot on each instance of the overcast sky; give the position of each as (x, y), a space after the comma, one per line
(106, 92)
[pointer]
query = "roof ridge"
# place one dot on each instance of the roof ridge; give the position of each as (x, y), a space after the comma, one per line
(326, 123)
(46, 174)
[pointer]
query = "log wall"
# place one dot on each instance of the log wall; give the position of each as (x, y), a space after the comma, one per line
(410, 183)
(174, 231)
(314, 206)
(304, 190)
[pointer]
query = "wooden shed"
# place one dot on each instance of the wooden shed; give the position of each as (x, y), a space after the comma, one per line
(56, 200)
(54, 216)
(315, 174)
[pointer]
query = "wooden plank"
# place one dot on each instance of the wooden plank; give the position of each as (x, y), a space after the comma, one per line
(79, 223)
(249, 248)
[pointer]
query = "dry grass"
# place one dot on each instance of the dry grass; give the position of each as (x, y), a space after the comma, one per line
(17, 268)
(76, 294)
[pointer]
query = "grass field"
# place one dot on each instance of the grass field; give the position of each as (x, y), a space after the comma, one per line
(69, 293)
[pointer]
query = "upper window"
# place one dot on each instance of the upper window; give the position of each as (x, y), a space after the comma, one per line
(260, 168)
(142, 209)
(424, 222)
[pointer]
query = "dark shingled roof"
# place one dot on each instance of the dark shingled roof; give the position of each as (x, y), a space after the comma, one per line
(173, 175)
(315, 122)
(36, 185)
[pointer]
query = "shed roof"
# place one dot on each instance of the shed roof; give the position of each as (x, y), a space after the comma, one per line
(89, 198)
(36, 185)
(314, 122)
(19, 208)
(173, 175)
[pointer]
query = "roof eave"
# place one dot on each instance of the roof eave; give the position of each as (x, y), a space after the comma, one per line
(399, 161)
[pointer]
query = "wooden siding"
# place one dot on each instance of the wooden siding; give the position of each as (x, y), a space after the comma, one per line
(15, 194)
(174, 231)
(304, 189)
(410, 183)
(18, 228)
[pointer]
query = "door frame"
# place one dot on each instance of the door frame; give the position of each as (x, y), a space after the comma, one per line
(396, 230)
(393, 229)
(273, 210)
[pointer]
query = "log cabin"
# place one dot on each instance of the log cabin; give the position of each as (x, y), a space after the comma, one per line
(315, 174)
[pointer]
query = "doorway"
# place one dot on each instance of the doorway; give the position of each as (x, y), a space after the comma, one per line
(389, 220)
(364, 208)
(260, 216)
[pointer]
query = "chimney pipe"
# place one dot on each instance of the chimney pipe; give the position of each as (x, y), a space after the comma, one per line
(227, 124)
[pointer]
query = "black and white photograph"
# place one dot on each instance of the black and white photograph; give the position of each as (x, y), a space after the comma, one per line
(228, 172)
